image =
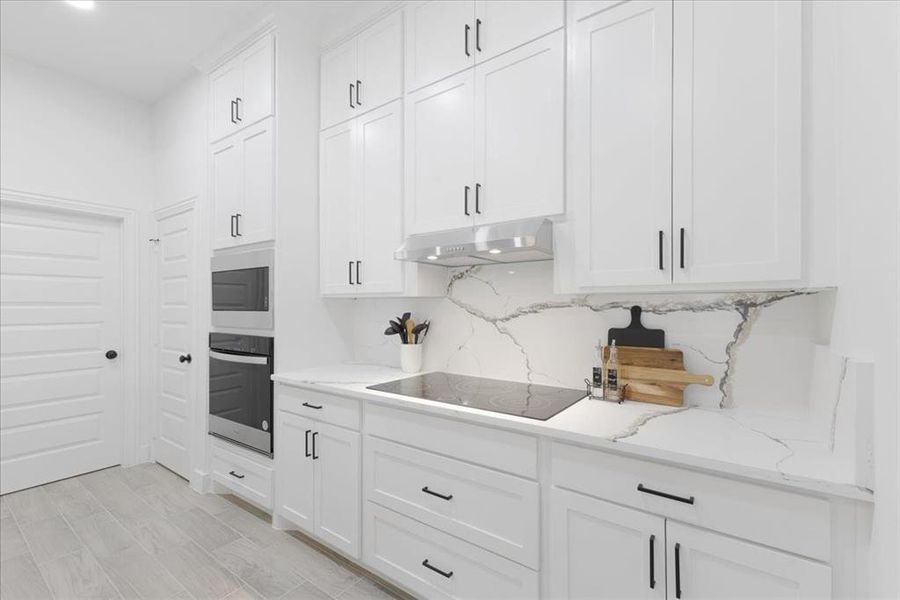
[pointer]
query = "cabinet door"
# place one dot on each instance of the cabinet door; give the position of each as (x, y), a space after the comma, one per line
(600, 550)
(337, 473)
(257, 210)
(439, 155)
(621, 145)
(380, 59)
(225, 160)
(338, 83)
(380, 159)
(257, 98)
(502, 25)
(294, 496)
(224, 90)
(737, 120)
(703, 564)
(440, 40)
(338, 227)
(520, 132)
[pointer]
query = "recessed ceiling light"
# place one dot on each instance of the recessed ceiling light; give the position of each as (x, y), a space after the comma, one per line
(81, 4)
(495, 251)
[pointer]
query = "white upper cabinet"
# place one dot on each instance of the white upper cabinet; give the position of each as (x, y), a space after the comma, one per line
(444, 37)
(603, 551)
(338, 228)
(520, 131)
(703, 564)
(737, 141)
(621, 148)
(364, 72)
(440, 168)
(242, 91)
(243, 195)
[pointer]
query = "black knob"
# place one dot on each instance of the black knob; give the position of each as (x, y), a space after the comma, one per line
(111, 354)
(184, 358)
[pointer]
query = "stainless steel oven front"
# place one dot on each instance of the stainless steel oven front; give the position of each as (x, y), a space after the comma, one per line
(242, 290)
(240, 389)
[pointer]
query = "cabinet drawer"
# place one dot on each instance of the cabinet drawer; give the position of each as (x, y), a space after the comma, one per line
(246, 477)
(502, 450)
(337, 410)
(783, 519)
(403, 550)
(494, 510)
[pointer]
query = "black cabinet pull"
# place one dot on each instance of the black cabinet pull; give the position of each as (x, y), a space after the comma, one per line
(661, 267)
(652, 567)
(237, 225)
(315, 454)
(358, 87)
(306, 448)
(467, 39)
(478, 34)
(233, 474)
(358, 279)
(237, 108)
(681, 246)
(478, 198)
(441, 496)
(350, 272)
(185, 358)
(233, 110)
(466, 200)
(678, 570)
(315, 406)
(232, 225)
(447, 574)
(351, 96)
(647, 490)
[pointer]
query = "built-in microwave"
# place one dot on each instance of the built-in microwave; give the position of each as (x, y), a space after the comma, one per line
(242, 290)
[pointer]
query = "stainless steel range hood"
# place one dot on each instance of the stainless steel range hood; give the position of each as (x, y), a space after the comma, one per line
(519, 241)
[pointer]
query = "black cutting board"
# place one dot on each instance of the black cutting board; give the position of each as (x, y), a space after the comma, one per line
(636, 334)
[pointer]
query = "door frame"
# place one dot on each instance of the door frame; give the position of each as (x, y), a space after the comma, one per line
(127, 219)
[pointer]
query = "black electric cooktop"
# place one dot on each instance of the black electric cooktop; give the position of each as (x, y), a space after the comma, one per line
(508, 397)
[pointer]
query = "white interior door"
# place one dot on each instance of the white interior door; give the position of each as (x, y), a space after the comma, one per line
(60, 313)
(175, 383)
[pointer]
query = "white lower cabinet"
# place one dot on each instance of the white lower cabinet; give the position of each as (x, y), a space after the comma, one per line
(318, 482)
(242, 473)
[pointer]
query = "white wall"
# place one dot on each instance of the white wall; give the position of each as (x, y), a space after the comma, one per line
(179, 143)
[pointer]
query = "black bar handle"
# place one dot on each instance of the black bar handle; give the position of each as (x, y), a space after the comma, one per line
(652, 561)
(237, 108)
(350, 272)
(441, 496)
(447, 574)
(237, 225)
(681, 245)
(467, 39)
(647, 490)
(466, 200)
(233, 474)
(478, 198)
(661, 267)
(358, 279)
(351, 96)
(678, 570)
(358, 87)
(478, 34)
(232, 225)
(315, 406)
(315, 454)
(306, 449)
(233, 108)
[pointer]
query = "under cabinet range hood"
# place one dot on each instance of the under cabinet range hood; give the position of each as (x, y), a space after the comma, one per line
(501, 243)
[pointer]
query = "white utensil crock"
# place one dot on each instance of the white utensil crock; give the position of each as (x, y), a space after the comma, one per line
(411, 358)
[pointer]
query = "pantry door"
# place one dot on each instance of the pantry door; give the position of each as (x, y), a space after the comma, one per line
(61, 384)
(175, 355)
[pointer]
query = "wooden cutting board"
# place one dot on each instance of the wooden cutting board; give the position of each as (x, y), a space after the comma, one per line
(655, 375)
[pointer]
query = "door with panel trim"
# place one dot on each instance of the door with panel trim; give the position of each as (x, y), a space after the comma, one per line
(176, 393)
(61, 387)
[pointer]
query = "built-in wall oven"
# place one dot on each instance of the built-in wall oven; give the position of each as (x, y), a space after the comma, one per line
(240, 389)
(242, 290)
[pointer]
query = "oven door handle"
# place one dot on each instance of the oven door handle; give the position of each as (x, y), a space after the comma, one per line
(239, 358)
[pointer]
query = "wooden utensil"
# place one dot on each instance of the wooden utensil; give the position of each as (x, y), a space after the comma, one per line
(655, 375)
(636, 334)
(410, 337)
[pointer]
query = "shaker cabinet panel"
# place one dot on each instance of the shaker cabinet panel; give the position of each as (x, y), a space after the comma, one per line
(502, 25)
(224, 89)
(225, 166)
(519, 123)
(338, 229)
(621, 147)
(256, 218)
(257, 99)
(337, 490)
(737, 141)
(294, 497)
(439, 155)
(380, 63)
(338, 83)
(440, 40)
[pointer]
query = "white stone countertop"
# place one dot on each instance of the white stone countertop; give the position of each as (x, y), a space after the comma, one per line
(721, 441)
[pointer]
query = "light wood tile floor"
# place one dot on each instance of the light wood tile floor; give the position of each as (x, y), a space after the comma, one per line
(142, 532)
